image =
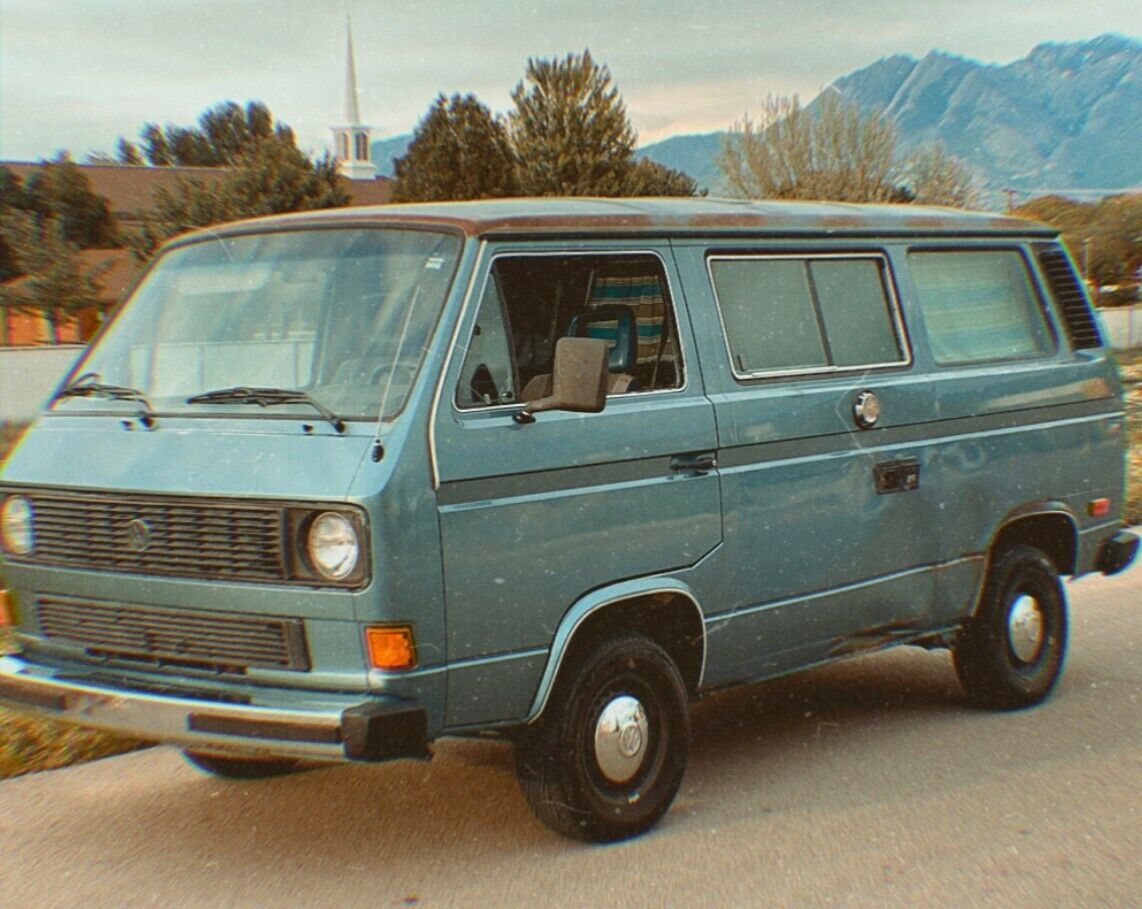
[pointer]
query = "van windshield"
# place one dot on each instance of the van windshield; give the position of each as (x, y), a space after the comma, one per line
(336, 317)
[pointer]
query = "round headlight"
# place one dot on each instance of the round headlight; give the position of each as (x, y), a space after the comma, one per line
(16, 526)
(333, 545)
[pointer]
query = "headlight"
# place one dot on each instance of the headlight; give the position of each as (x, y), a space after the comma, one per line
(16, 526)
(332, 545)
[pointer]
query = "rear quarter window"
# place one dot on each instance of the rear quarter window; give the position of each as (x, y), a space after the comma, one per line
(979, 305)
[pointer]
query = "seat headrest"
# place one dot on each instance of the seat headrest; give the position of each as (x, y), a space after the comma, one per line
(615, 323)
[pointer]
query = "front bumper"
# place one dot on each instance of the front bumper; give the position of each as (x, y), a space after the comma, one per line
(325, 728)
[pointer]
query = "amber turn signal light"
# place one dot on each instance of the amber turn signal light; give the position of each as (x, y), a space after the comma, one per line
(7, 612)
(391, 647)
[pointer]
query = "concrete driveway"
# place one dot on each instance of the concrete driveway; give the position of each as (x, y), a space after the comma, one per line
(867, 783)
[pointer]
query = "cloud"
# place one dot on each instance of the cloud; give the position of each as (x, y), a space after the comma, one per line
(79, 75)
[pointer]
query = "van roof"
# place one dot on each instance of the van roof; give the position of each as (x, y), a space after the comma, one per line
(678, 216)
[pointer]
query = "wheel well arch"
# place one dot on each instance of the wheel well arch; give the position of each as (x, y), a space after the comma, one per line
(671, 618)
(1053, 531)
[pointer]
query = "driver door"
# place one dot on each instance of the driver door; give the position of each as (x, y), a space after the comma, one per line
(534, 516)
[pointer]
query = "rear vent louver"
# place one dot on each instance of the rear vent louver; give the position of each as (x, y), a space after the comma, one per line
(1082, 328)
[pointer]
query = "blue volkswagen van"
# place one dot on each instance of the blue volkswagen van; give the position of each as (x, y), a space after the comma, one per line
(334, 485)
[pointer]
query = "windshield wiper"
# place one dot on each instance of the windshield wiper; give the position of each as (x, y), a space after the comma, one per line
(246, 394)
(86, 386)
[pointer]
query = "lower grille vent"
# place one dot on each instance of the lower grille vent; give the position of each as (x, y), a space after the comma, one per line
(213, 640)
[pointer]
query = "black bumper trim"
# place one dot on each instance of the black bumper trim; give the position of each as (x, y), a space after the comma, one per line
(382, 732)
(1117, 553)
(273, 730)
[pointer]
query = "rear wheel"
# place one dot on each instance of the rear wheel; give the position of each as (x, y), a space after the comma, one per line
(606, 759)
(234, 768)
(1010, 654)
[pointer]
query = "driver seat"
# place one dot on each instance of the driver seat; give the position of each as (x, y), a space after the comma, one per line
(614, 323)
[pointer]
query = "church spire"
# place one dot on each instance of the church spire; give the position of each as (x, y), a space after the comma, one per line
(352, 112)
(351, 139)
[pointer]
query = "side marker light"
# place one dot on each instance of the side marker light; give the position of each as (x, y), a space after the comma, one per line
(1098, 508)
(391, 647)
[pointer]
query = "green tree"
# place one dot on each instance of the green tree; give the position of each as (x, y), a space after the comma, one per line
(571, 135)
(128, 153)
(12, 194)
(59, 190)
(649, 178)
(223, 138)
(570, 130)
(55, 280)
(459, 150)
(12, 198)
(271, 175)
(1104, 238)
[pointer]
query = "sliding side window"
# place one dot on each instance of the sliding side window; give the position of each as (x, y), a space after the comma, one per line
(806, 314)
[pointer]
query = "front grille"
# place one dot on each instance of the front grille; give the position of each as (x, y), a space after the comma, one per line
(166, 636)
(185, 538)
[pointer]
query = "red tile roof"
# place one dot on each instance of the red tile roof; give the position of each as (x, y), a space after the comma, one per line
(130, 188)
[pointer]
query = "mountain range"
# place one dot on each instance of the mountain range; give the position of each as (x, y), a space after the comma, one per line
(1065, 117)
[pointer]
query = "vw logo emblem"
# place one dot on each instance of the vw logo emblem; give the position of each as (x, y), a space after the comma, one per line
(138, 535)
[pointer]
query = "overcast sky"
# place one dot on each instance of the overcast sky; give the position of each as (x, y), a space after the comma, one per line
(77, 74)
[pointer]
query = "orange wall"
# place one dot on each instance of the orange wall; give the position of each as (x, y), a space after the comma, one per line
(31, 329)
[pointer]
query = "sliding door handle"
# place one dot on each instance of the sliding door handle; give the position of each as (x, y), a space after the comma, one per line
(702, 463)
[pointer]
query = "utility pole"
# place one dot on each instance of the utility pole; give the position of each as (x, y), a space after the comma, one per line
(1092, 288)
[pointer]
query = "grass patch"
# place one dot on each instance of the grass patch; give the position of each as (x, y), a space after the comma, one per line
(29, 743)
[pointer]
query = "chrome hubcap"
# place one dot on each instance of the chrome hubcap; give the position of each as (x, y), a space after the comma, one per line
(621, 737)
(1025, 628)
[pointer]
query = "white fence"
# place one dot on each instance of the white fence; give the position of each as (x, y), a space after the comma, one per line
(1122, 326)
(27, 377)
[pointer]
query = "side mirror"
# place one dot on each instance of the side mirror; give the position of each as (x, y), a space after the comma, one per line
(579, 379)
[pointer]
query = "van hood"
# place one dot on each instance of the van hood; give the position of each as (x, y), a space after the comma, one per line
(195, 456)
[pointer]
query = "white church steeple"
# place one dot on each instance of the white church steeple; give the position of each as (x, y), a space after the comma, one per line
(351, 140)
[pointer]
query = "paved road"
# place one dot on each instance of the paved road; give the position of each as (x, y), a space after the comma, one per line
(867, 783)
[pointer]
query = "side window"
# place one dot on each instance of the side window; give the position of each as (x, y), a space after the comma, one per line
(799, 313)
(532, 301)
(488, 376)
(978, 306)
(856, 312)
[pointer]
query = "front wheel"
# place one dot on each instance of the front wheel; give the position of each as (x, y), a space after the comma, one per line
(606, 760)
(1010, 654)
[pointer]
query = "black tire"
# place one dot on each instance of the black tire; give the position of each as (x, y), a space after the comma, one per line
(562, 767)
(235, 768)
(1010, 654)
